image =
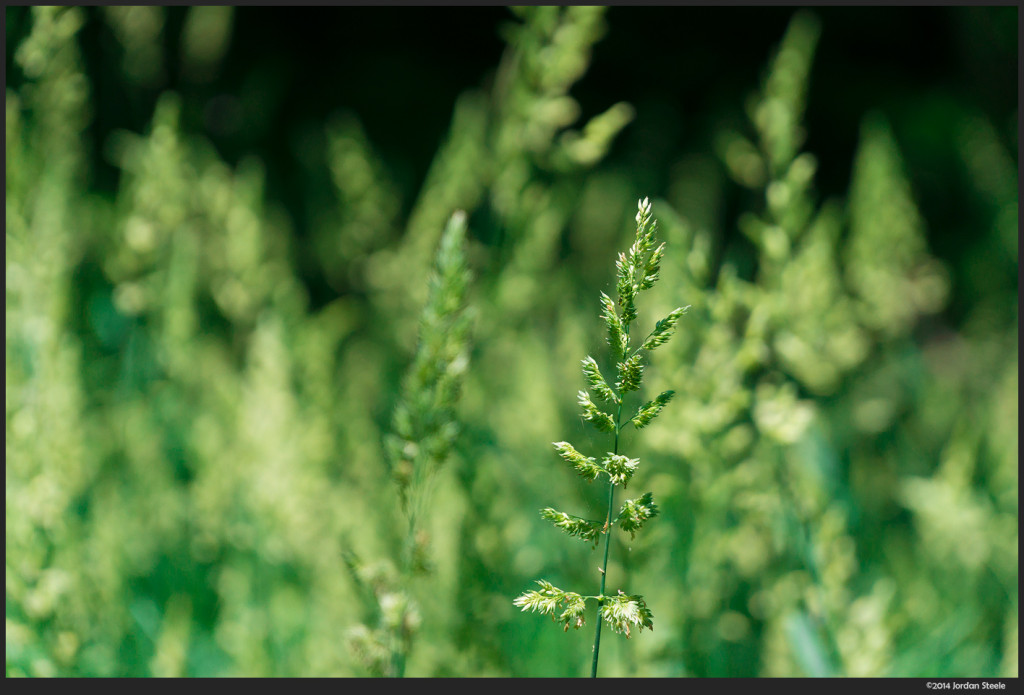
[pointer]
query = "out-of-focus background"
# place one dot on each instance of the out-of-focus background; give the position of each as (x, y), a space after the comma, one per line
(245, 437)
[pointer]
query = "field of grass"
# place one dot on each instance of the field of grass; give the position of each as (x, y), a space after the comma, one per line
(295, 309)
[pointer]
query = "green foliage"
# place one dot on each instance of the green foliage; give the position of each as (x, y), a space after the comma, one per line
(247, 434)
(774, 524)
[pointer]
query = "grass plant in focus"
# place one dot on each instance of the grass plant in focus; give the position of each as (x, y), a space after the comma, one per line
(638, 270)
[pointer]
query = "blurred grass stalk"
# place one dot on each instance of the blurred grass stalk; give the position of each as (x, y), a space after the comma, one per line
(423, 432)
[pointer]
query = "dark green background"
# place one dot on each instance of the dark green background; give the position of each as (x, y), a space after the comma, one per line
(687, 70)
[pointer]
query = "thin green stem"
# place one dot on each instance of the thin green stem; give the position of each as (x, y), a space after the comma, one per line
(398, 645)
(608, 532)
(400, 640)
(607, 545)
